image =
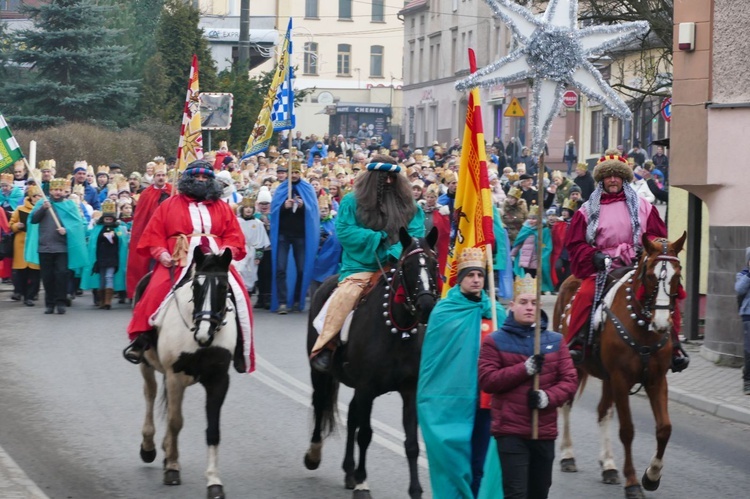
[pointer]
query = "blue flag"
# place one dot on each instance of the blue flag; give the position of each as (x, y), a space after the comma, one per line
(282, 115)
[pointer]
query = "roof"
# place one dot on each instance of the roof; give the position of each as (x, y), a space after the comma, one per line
(413, 6)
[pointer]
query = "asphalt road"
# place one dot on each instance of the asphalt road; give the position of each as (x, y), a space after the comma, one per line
(71, 411)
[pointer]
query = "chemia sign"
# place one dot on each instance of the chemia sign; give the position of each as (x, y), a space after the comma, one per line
(364, 109)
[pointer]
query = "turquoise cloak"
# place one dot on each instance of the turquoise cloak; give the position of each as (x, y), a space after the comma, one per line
(529, 231)
(448, 392)
(89, 279)
(70, 218)
(502, 263)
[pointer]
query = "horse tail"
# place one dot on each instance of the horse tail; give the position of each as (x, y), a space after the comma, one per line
(582, 378)
(325, 401)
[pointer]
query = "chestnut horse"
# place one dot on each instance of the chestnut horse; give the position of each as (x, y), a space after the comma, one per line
(633, 347)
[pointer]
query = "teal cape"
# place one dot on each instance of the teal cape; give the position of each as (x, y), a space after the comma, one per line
(529, 231)
(89, 279)
(448, 393)
(502, 264)
(70, 218)
(364, 248)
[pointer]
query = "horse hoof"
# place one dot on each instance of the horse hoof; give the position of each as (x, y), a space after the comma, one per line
(215, 492)
(148, 456)
(172, 477)
(568, 465)
(417, 494)
(610, 477)
(648, 484)
(349, 481)
(634, 492)
(310, 463)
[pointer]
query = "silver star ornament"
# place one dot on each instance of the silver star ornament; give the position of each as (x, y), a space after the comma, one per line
(554, 52)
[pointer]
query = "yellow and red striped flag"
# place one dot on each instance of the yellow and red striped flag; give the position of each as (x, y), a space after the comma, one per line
(472, 215)
(191, 138)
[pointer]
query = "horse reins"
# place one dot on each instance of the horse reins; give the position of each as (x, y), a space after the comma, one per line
(392, 288)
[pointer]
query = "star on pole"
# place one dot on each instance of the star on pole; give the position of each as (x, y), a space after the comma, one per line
(554, 52)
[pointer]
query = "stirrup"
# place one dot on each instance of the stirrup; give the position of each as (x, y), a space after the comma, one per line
(134, 352)
(680, 362)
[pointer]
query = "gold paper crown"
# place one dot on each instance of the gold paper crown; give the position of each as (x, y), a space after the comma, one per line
(6, 177)
(159, 159)
(515, 192)
(109, 208)
(33, 190)
(47, 164)
(58, 183)
(569, 204)
(512, 177)
(248, 201)
(534, 211)
(79, 190)
(90, 169)
(296, 165)
(525, 286)
(161, 167)
(102, 169)
(324, 200)
(471, 257)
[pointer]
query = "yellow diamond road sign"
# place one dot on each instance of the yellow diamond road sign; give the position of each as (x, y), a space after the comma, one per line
(514, 109)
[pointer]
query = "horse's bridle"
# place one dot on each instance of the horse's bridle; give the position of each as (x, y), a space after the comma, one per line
(649, 306)
(393, 284)
(215, 319)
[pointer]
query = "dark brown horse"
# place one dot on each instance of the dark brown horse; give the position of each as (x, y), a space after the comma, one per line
(381, 356)
(633, 347)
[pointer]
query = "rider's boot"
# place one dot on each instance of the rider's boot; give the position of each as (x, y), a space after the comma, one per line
(134, 352)
(680, 358)
(322, 361)
(577, 345)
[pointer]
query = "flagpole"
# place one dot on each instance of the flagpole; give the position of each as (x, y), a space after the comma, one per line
(540, 266)
(31, 166)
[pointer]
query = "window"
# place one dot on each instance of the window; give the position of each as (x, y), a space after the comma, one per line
(311, 9)
(345, 9)
(596, 132)
(378, 11)
(311, 58)
(9, 5)
(343, 60)
(376, 60)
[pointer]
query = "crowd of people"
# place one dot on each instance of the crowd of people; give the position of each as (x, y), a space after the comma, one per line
(292, 217)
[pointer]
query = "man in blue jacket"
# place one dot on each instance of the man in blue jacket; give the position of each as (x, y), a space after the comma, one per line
(90, 195)
(742, 288)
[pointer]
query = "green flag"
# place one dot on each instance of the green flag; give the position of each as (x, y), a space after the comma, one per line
(10, 151)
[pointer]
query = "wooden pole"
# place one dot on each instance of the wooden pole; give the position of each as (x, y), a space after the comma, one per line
(491, 277)
(36, 175)
(538, 319)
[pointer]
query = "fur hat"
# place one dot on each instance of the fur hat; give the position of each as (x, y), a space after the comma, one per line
(613, 164)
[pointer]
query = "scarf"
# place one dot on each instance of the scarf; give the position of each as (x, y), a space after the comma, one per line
(593, 208)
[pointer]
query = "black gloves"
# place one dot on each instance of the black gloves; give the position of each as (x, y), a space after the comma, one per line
(600, 260)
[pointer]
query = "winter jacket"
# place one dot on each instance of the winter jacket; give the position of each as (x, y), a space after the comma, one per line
(641, 188)
(502, 373)
(742, 288)
(586, 183)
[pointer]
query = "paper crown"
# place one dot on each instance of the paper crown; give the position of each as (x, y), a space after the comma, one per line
(90, 169)
(79, 190)
(6, 177)
(160, 167)
(159, 159)
(47, 164)
(58, 183)
(534, 211)
(512, 177)
(471, 257)
(569, 204)
(515, 192)
(248, 201)
(32, 191)
(296, 165)
(525, 286)
(109, 208)
(324, 200)
(102, 170)
(273, 152)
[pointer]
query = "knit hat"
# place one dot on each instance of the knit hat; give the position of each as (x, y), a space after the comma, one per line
(575, 188)
(613, 165)
(200, 166)
(470, 259)
(264, 195)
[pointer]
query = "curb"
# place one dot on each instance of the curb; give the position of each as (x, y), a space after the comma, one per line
(710, 406)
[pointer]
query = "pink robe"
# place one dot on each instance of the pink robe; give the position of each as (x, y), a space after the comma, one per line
(182, 215)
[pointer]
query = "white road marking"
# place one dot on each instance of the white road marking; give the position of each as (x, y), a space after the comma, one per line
(304, 399)
(14, 482)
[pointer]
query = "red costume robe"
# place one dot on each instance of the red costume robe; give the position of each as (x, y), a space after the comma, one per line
(559, 231)
(582, 253)
(183, 215)
(138, 264)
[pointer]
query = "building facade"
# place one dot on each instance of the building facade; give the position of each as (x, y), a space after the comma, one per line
(349, 54)
(711, 119)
